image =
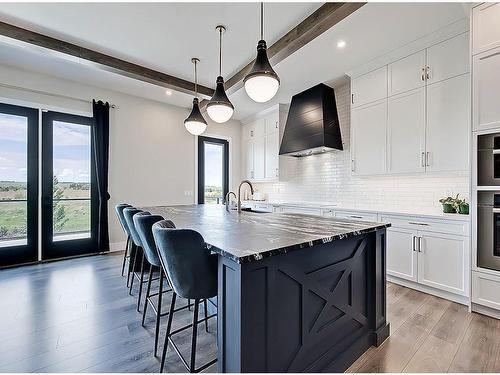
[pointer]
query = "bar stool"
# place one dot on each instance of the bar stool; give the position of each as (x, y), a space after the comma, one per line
(119, 212)
(144, 225)
(129, 213)
(192, 273)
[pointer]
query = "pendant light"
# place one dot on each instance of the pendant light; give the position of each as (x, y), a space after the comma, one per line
(195, 123)
(219, 108)
(262, 82)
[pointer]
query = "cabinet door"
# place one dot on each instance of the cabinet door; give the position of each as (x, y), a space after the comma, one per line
(407, 74)
(248, 130)
(443, 262)
(486, 90)
(248, 149)
(272, 157)
(369, 87)
(406, 132)
(272, 123)
(401, 254)
(259, 158)
(259, 128)
(448, 59)
(447, 132)
(485, 27)
(368, 127)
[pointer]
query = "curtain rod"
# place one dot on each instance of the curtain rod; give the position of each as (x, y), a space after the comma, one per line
(50, 94)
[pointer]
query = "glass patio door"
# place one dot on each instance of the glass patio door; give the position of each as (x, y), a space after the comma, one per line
(69, 189)
(18, 184)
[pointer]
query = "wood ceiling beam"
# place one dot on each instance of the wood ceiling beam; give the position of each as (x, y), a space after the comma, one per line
(321, 20)
(102, 61)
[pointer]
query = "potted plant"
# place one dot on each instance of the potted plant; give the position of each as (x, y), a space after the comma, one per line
(461, 206)
(449, 205)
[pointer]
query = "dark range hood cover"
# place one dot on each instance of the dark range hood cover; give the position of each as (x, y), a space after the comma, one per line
(312, 125)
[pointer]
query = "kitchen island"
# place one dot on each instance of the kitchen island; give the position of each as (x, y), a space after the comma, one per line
(296, 292)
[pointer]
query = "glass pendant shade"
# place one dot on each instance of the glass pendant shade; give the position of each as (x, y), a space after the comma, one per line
(219, 108)
(195, 123)
(262, 82)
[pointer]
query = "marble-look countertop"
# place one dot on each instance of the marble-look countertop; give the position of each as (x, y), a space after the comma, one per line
(251, 236)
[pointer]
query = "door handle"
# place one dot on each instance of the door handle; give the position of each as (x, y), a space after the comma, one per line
(420, 244)
(414, 244)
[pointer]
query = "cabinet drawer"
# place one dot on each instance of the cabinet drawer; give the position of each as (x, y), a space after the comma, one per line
(432, 225)
(356, 216)
(486, 290)
(369, 87)
(301, 210)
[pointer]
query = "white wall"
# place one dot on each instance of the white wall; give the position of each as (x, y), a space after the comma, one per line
(327, 178)
(152, 156)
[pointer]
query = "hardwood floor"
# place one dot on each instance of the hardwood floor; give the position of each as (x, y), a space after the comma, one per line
(76, 316)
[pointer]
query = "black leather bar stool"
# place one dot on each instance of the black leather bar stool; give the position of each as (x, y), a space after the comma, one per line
(138, 251)
(144, 227)
(126, 256)
(192, 273)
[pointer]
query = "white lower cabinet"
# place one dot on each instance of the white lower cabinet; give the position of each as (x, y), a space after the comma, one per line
(485, 289)
(434, 260)
(300, 210)
(443, 262)
(401, 255)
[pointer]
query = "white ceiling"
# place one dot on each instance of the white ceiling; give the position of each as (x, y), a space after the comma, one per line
(164, 36)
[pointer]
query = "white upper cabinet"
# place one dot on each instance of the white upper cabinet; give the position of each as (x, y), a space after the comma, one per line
(407, 74)
(272, 123)
(448, 59)
(486, 90)
(368, 128)
(259, 158)
(406, 132)
(248, 158)
(485, 27)
(369, 87)
(272, 157)
(447, 131)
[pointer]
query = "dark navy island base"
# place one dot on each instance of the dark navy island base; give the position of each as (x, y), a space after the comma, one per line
(296, 293)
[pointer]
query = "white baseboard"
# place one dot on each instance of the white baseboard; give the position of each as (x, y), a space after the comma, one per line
(426, 289)
(486, 311)
(117, 246)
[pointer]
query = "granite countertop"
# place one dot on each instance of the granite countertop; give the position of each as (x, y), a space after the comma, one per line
(251, 236)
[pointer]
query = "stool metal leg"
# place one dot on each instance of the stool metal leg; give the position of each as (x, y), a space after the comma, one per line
(140, 283)
(158, 312)
(205, 307)
(130, 261)
(125, 255)
(148, 289)
(133, 269)
(169, 327)
(195, 334)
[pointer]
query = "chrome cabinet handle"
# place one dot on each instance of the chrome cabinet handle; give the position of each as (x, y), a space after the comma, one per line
(420, 244)
(251, 133)
(422, 75)
(356, 217)
(414, 223)
(276, 124)
(352, 98)
(352, 165)
(427, 73)
(276, 170)
(414, 243)
(428, 159)
(422, 160)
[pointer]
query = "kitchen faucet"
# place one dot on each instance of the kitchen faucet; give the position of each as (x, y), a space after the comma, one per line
(239, 192)
(227, 199)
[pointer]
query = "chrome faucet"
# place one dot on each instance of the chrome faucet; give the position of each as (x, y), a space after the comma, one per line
(239, 192)
(227, 199)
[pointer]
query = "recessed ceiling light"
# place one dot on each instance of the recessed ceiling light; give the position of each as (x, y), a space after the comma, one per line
(168, 92)
(341, 44)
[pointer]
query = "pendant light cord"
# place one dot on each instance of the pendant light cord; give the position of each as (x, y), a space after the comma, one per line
(195, 80)
(262, 21)
(220, 51)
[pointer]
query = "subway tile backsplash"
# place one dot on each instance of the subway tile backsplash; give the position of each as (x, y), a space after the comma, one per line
(327, 178)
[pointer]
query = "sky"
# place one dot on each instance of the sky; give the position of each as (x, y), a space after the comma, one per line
(71, 150)
(213, 164)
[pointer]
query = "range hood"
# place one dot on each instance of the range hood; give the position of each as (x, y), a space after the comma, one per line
(312, 125)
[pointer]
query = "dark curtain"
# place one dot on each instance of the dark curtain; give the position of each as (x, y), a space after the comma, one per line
(100, 137)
